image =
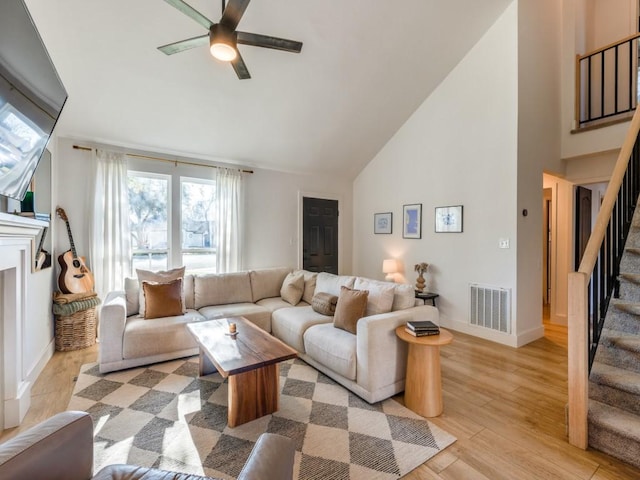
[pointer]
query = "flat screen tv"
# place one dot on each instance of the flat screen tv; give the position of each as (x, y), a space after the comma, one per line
(31, 98)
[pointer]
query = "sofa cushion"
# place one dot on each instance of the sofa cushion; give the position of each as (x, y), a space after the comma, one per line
(222, 289)
(266, 282)
(380, 299)
(404, 297)
(292, 288)
(333, 348)
(159, 277)
(188, 292)
(289, 324)
(330, 283)
(132, 295)
(324, 303)
(256, 314)
(276, 303)
(163, 299)
(309, 285)
(144, 338)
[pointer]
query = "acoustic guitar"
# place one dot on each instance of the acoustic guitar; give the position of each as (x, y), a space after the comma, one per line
(75, 277)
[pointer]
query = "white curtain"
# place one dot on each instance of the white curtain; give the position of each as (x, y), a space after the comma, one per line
(110, 237)
(229, 214)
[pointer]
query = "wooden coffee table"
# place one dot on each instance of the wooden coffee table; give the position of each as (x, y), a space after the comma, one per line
(250, 361)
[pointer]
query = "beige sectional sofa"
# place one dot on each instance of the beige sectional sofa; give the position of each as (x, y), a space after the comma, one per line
(371, 363)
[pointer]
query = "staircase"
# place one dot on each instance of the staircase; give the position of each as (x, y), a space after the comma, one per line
(614, 382)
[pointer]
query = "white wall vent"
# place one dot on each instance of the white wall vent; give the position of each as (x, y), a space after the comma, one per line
(490, 307)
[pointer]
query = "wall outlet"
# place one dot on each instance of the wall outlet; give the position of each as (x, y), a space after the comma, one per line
(503, 243)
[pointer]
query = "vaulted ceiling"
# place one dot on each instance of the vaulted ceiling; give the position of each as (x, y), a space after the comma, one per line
(365, 66)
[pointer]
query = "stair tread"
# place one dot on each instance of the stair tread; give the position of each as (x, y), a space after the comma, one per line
(619, 378)
(614, 419)
(626, 342)
(630, 277)
(626, 306)
(620, 339)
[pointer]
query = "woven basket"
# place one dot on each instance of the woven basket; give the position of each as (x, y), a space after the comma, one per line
(76, 331)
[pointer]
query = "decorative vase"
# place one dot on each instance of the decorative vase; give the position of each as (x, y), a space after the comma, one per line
(420, 282)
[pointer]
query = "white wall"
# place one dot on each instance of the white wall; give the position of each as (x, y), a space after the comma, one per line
(579, 19)
(38, 340)
(609, 22)
(539, 60)
(458, 148)
(273, 217)
(592, 168)
(271, 207)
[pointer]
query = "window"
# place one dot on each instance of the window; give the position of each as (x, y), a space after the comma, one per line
(160, 201)
(198, 211)
(149, 220)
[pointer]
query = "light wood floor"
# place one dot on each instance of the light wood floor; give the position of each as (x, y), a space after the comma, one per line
(505, 406)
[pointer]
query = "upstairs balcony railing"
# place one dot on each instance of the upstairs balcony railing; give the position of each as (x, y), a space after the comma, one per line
(596, 281)
(607, 82)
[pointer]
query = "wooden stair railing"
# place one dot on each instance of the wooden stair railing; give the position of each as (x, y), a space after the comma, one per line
(595, 282)
(606, 82)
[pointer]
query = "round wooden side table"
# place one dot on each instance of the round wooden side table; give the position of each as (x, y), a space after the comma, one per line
(423, 386)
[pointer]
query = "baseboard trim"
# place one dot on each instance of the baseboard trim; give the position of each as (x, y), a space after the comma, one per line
(509, 340)
(16, 408)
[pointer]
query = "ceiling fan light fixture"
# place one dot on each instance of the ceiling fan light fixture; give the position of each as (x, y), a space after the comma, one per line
(223, 43)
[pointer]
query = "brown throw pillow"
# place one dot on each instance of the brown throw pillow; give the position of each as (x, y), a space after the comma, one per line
(324, 303)
(157, 277)
(163, 299)
(351, 306)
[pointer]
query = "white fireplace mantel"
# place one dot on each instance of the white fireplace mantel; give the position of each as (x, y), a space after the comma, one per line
(17, 239)
(15, 225)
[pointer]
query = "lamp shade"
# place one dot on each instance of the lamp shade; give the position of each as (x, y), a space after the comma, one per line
(390, 266)
(223, 43)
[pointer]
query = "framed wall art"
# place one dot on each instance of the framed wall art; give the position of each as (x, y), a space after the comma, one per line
(449, 219)
(383, 223)
(412, 221)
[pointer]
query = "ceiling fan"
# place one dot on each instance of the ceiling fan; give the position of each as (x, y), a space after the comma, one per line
(223, 38)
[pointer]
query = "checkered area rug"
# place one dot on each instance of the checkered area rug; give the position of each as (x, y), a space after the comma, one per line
(165, 416)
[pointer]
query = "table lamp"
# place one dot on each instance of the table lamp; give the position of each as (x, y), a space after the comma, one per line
(390, 267)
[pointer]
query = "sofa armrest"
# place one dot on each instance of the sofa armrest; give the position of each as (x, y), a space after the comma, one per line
(58, 448)
(113, 317)
(272, 457)
(381, 355)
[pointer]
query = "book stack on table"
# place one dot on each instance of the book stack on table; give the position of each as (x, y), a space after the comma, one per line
(422, 328)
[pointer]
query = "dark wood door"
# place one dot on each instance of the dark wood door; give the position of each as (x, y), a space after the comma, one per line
(583, 221)
(320, 235)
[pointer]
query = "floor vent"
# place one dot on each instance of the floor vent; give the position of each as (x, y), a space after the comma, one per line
(490, 307)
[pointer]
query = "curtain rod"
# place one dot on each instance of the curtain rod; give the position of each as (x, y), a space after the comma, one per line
(176, 162)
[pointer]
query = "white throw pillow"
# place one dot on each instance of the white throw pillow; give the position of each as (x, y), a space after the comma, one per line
(330, 283)
(309, 285)
(292, 288)
(404, 297)
(132, 295)
(380, 298)
(158, 277)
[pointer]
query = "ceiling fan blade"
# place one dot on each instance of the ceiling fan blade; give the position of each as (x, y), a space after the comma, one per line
(191, 12)
(233, 13)
(257, 40)
(183, 45)
(240, 67)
